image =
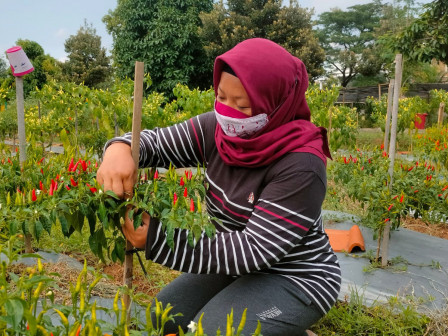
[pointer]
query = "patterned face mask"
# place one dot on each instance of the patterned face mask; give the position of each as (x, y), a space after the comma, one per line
(236, 124)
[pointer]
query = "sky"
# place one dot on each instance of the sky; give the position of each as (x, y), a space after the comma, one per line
(51, 22)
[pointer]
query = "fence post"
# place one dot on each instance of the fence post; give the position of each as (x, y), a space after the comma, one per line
(390, 99)
(135, 149)
(393, 141)
(22, 141)
(440, 117)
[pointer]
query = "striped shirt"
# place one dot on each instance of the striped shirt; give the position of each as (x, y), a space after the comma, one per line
(270, 217)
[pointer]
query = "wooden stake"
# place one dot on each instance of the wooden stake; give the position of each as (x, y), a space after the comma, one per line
(392, 147)
(22, 141)
(390, 98)
(135, 147)
(441, 111)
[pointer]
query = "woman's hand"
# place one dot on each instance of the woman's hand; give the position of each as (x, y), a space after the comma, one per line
(137, 237)
(118, 172)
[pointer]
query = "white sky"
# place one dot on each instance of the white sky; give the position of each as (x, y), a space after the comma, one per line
(51, 22)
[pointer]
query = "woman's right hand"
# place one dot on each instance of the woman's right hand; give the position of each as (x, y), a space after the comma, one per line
(118, 172)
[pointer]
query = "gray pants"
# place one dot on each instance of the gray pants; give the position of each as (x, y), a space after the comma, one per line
(271, 299)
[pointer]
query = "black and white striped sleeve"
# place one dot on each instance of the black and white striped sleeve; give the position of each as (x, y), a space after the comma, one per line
(286, 209)
(183, 144)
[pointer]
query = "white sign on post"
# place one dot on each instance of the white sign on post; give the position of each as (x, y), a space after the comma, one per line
(20, 64)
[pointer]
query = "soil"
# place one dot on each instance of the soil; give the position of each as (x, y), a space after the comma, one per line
(435, 230)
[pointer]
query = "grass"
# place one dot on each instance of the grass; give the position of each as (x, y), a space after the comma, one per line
(375, 137)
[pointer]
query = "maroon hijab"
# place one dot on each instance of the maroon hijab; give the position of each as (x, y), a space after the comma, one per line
(276, 83)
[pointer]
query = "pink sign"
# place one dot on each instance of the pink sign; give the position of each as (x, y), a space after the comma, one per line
(20, 64)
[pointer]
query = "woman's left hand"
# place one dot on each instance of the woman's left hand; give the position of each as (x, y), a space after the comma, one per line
(137, 237)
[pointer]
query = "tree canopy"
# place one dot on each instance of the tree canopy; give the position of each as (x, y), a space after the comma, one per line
(162, 34)
(348, 40)
(290, 26)
(87, 60)
(427, 37)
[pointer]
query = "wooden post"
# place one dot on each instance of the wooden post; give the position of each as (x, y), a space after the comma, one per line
(135, 147)
(441, 111)
(379, 91)
(22, 141)
(390, 98)
(393, 142)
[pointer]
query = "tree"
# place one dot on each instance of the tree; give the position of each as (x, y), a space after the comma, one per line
(427, 37)
(36, 55)
(162, 34)
(3, 68)
(290, 26)
(87, 61)
(348, 40)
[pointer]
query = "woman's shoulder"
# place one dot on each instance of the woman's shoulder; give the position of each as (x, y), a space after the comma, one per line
(298, 164)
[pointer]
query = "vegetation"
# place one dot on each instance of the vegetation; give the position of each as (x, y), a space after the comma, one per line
(236, 20)
(163, 35)
(87, 61)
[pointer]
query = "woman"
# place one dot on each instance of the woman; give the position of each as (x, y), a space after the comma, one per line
(265, 167)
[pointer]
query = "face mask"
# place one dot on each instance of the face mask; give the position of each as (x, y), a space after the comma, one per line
(236, 124)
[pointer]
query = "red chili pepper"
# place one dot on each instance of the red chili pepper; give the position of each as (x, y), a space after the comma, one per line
(67, 187)
(75, 166)
(416, 163)
(174, 198)
(93, 189)
(96, 164)
(71, 165)
(41, 185)
(439, 195)
(394, 197)
(9, 161)
(362, 168)
(190, 175)
(191, 205)
(73, 182)
(78, 331)
(385, 154)
(51, 191)
(445, 188)
(57, 177)
(386, 220)
(355, 160)
(345, 160)
(182, 183)
(185, 192)
(410, 168)
(401, 198)
(156, 175)
(382, 146)
(370, 161)
(33, 195)
(83, 165)
(390, 207)
(416, 191)
(54, 184)
(42, 171)
(40, 161)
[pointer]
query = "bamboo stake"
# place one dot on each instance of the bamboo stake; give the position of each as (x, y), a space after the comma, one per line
(440, 117)
(22, 141)
(390, 98)
(135, 147)
(392, 146)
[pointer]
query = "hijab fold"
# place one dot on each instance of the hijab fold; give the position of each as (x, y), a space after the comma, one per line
(275, 82)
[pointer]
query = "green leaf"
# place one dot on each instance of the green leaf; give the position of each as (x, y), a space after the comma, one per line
(138, 220)
(64, 226)
(38, 228)
(14, 310)
(112, 194)
(91, 218)
(46, 223)
(102, 214)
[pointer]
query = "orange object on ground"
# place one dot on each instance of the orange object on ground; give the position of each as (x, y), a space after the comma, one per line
(346, 240)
